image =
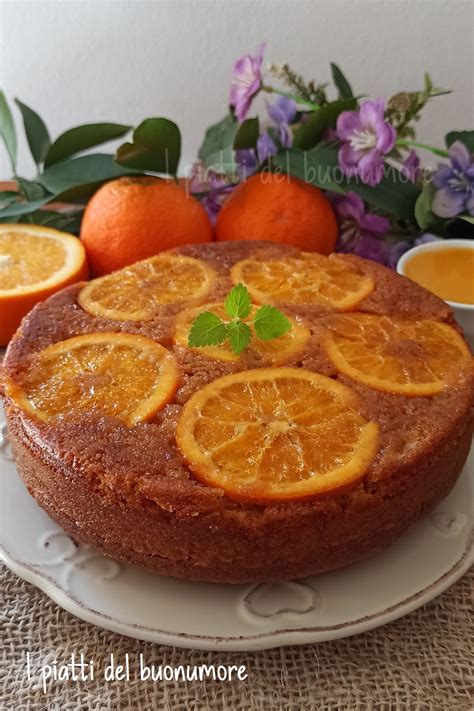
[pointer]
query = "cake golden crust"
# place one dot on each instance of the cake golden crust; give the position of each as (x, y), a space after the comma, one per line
(127, 491)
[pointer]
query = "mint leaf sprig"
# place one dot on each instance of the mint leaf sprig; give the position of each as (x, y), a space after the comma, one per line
(208, 329)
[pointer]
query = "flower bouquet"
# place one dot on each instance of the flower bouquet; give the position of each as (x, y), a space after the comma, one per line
(361, 152)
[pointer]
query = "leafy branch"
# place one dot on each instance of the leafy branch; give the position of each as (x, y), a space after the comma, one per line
(405, 107)
(69, 174)
(208, 329)
(311, 92)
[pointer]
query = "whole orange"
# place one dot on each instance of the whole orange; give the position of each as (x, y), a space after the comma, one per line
(134, 218)
(281, 209)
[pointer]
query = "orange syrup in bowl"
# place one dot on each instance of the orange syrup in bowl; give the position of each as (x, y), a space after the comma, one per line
(447, 272)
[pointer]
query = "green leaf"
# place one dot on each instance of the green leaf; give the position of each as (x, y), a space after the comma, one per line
(415, 144)
(428, 84)
(394, 194)
(81, 138)
(31, 189)
(217, 149)
(318, 167)
(65, 221)
(39, 217)
(36, 132)
(7, 197)
(466, 137)
(22, 208)
(80, 194)
(341, 83)
(270, 323)
(238, 302)
(207, 330)
(247, 134)
(311, 132)
(156, 147)
(423, 214)
(239, 336)
(7, 130)
(74, 172)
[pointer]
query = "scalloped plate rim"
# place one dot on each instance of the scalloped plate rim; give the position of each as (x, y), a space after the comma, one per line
(277, 638)
(280, 637)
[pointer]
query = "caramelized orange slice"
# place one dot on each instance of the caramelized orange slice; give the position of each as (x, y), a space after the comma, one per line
(308, 279)
(396, 356)
(275, 351)
(274, 434)
(35, 262)
(118, 374)
(135, 293)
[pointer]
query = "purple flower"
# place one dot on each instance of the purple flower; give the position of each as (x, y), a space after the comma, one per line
(454, 183)
(359, 231)
(205, 180)
(396, 251)
(425, 238)
(246, 82)
(212, 202)
(246, 160)
(330, 134)
(282, 112)
(366, 138)
(399, 248)
(411, 167)
(265, 147)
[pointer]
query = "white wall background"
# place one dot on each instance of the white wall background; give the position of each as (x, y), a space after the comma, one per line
(91, 60)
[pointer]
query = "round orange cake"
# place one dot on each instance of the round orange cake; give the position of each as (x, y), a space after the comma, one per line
(300, 455)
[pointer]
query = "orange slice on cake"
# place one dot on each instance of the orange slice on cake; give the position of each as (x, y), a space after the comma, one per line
(307, 279)
(35, 262)
(273, 434)
(394, 355)
(275, 351)
(117, 374)
(137, 292)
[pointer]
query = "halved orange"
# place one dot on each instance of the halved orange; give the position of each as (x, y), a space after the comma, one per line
(35, 262)
(307, 279)
(275, 351)
(135, 293)
(118, 374)
(273, 434)
(394, 355)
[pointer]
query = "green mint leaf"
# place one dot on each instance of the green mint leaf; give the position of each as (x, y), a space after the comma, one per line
(207, 330)
(238, 302)
(239, 335)
(270, 323)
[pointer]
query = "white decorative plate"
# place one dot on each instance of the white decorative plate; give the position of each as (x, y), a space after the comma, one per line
(426, 561)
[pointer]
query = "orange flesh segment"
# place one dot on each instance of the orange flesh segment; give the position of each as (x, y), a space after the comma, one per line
(275, 351)
(413, 358)
(273, 434)
(135, 293)
(34, 258)
(308, 279)
(117, 374)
